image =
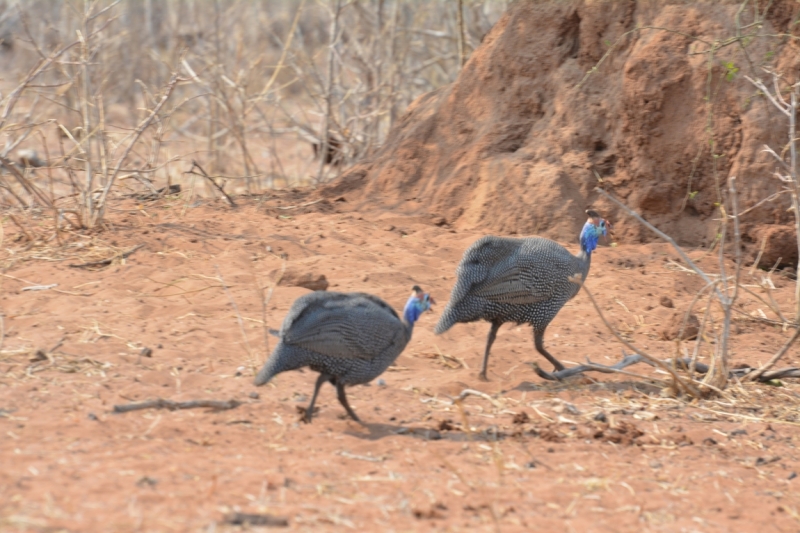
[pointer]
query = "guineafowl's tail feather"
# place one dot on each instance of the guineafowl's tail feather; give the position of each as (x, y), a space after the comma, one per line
(464, 311)
(279, 361)
(267, 372)
(446, 321)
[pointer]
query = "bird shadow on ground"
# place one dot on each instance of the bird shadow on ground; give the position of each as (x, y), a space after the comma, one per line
(379, 431)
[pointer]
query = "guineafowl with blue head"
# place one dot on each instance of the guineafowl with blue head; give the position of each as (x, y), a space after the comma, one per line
(525, 280)
(349, 338)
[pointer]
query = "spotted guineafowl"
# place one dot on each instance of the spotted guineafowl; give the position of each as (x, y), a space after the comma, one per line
(349, 338)
(519, 280)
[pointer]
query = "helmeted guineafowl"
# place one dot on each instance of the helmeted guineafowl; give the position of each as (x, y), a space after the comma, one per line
(524, 280)
(349, 338)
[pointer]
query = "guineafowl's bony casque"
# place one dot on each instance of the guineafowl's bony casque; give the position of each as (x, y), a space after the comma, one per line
(525, 280)
(349, 338)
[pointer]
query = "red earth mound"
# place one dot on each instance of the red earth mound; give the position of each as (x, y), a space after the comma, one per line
(522, 138)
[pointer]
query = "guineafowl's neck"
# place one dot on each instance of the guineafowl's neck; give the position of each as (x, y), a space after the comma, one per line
(584, 262)
(411, 314)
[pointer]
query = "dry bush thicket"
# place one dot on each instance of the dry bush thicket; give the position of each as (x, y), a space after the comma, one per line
(102, 98)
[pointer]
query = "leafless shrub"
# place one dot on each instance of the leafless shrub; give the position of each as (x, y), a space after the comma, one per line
(244, 80)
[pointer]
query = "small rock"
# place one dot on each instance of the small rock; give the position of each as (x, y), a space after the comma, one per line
(93, 416)
(562, 406)
(521, 418)
(297, 278)
(762, 461)
(146, 481)
(240, 371)
(666, 301)
(673, 329)
(146, 352)
(381, 382)
(792, 476)
(655, 464)
(601, 417)
(254, 395)
(780, 245)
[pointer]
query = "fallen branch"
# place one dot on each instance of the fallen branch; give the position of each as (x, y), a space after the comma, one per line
(683, 363)
(106, 262)
(761, 372)
(160, 403)
(592, 367)
(688, 387)
(472, 392)
(300, 205)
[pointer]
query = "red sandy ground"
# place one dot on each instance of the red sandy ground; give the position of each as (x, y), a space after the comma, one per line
(70, 464)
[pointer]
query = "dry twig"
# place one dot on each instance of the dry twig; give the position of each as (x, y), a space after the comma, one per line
(160, 403)
(106, 262)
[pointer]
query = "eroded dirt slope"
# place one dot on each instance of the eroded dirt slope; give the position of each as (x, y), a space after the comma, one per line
(515, 147)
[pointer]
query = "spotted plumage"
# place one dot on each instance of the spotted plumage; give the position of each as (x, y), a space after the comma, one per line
(349, 338)
(526, 280)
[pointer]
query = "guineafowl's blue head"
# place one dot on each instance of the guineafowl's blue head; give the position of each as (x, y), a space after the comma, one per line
(418, 303)
(594, 229)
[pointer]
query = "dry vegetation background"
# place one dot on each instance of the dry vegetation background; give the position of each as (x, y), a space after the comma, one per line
(123, 96)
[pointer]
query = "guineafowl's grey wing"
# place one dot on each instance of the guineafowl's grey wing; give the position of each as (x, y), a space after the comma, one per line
(527, 275)
(514, 284)
(490, 269)
(348, 328)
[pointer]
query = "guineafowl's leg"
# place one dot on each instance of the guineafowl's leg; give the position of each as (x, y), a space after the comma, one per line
(538, 341)
(489, 342)
(343, 401)
(310, 409)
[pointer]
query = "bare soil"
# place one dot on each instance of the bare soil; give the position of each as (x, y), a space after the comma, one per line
(536, 455)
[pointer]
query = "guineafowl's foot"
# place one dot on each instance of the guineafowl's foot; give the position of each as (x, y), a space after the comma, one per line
(538, 341)
(343, 400)
(306, 414)
(483, 377)
(309, 412)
